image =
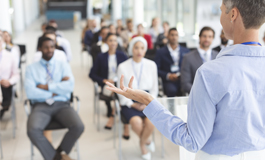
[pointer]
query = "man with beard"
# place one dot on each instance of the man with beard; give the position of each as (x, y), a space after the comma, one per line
(224, 42)
(193, 60)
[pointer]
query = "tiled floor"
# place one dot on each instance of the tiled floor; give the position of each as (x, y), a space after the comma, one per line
(94, 145)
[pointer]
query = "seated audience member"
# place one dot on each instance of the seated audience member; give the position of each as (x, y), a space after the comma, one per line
(127, 34)
(62, 43)
(105, 66)
(48, 85)
(193, 60)
(113, 30)
(59, 53)
(86, 28)
(96, 37)
(43, 27)
(9, 75)
(119, 27)
(14, 49)
(162, 40)
(168, 60)
(46, 29)
(147, 37)
(55, 25)
(155, 29)
(145, 75)
(90, 33)
(224, 42)
(100, 46)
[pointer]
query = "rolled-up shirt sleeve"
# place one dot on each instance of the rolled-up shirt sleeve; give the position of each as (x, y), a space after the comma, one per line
(194, 134)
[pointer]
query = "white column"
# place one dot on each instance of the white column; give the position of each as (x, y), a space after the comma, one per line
(89, 9)
(138, 12)
(189, 16)
(116, 10)
(5, 20)
(19, 21)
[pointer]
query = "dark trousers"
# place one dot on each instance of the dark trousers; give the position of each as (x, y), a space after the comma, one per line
(42, 114)
(7, 97)
(172, 89)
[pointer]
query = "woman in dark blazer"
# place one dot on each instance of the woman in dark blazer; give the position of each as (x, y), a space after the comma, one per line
(105, 66)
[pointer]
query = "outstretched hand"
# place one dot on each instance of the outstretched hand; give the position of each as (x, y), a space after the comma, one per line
(134, 94)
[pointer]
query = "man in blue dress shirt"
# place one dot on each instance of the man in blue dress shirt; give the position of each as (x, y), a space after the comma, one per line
(48, 84)
(226, 107)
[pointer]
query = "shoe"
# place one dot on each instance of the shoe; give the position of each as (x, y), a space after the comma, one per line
(65, 157)
(146, 156)
(125, 137)
(151, 147)
(107, 127)
(2, 113)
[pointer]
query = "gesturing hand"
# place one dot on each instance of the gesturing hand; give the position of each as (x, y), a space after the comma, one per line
(135, 94)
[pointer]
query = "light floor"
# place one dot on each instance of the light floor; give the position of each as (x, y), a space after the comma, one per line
(94, 145)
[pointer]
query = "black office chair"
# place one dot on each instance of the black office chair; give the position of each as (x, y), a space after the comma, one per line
(150, 54)
(99, 96)
(54, 125)
(183, 44)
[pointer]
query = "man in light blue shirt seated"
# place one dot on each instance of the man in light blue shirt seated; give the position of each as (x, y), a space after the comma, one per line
(48, 84)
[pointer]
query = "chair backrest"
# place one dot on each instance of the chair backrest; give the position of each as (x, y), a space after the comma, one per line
(183, 44)
(22, 49)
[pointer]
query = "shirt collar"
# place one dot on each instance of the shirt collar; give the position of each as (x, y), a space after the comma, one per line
(202, 52)
(50, 62)
(242, 50)
(171, 50)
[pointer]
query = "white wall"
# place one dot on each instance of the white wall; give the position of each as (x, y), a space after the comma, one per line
(5, 19)
(19, 18)
(31, 11)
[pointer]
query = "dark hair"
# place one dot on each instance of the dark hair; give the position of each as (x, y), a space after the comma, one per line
(166, 22)
(50, 28)
(44, 39)
(102, 28)
(172, 29)
(252, 11)
(110, 34)
(206, 29)
(129, 21)
(48, 32)
(111, 25)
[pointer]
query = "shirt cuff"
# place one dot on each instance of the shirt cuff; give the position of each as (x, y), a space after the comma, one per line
(152, 108)
(51, 87)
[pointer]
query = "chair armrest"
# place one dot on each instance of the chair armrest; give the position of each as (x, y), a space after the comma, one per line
(78, 103)
(27, 109)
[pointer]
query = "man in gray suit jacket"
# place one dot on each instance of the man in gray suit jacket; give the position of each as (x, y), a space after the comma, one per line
(193, 60)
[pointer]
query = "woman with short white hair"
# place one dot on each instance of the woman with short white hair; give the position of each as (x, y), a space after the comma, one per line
(145, 73)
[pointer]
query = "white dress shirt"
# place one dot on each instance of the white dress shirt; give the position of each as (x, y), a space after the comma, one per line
(112, 67)
(58, 55)
(205, 55)
(147, 80)
(175, 54)
(65, 44)
(8, 67)
(16, 53)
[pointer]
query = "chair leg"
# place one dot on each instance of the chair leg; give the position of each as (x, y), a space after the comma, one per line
(32, 150)
(1, 150)
(120, 134)
(21, 85)
(13, 115)
(163, 148)
(98, 109)
(95, 109)
(114, 131)
(77, 150)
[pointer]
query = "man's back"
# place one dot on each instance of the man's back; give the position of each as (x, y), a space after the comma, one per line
(236, 86)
